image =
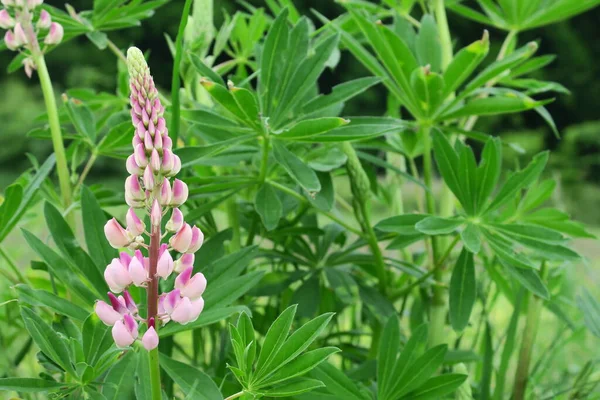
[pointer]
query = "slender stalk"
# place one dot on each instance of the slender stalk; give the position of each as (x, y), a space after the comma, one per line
(235, 396)
(62, 167)
(444, 30)
(86, 170)
(534, 311)
(116, 51)
(20, 277)
(176, 79)
(264, 162)
(152, 296)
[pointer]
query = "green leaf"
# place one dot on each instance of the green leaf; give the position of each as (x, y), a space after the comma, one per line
(300, 172)
(43, 298)
(311, 127)
(387, 354)
(118, 384)
(492, 106)
(438, 225)
(464, 63)
(83, 119)
(97, 339)
(338, 384)
(420, 370)
(48, 340)
(519, 180)
(509, 346)
(18, 199)
(94, 220)
(488, 172)
(268, 206)
(296, 344)
(428, 46)
(224, 293)
(247, 102)
(488, 362)
(192, 381)
(448, 164)
(471, 238)
(222, 96)
(463, 291)
(143, 384)
(300, 386)
(428, 87)
(402, 224)
(208, 317)
(529, 278)
(192, 155)
(360, 128)
(590, 307)
(204, 70)
(56, 265)
(210, 119)
(438, 387)
(31, 385)
(274, 339)
(303, 79)
(408, 355)
(340, 93)
(271, 58)
(301, 365)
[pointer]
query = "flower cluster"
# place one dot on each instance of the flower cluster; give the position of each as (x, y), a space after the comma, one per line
(149, 190)
(22, 33)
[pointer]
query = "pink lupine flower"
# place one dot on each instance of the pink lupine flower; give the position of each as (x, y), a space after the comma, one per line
(116, 235)
(125, 331)
(55, 35)
(6, 21)
(29, 66)
(149, 188)
(45, 20)
(20, 36)
(32, 4)
(11, 41)
(190, 286)
(8, 3)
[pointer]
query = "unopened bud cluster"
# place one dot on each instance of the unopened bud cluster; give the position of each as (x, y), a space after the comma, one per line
(23, 32)
(149, 189)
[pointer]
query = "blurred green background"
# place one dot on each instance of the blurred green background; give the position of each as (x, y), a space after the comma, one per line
(575, 159)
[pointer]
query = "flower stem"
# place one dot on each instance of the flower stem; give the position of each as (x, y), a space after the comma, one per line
(534, 311)
(57, 141)
(235, 396)
(152, 295)
(176, 79)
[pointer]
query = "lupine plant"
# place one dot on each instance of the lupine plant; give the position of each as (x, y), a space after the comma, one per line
(405, 255)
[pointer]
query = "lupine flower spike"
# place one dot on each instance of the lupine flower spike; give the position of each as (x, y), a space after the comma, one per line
(149, 190)
(24, 34)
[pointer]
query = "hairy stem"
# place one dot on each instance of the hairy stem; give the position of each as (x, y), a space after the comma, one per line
(62, 167)
(534, 311)
(152, 295)
(176, 79)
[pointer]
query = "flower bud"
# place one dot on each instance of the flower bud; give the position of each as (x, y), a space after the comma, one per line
(150, 338)
(161, 126)
(125, 332)
(20, 35)
(176, 221)
(132, 166)
(134, 195)
(33, 4)
(184, 262)
(165, 193)
(45, 20)
(148, 179)
(135, 225)
(6, 21)
(55, 34)
(176, 165)
(182, 239)
(180, 193)
(168, 162)
(155, 162)
(139, 274)
(116, 235)
(197, 240)
(140, 156)
(155, 214)
(158, 142)
(165, 264)
(129, 303)
(148, 141)
(118, 304)
(170, 300)
(190, 286)
(29, 66)
(11, 41)
(167, 142)
(106, 313)
(117, 276)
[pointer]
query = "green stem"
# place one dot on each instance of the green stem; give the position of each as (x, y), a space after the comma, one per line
(21, 278)
(444, 30)
(116, 51)
(234, 223)
(264, 162)
(534, 311)
(86, 170)
(176, 79)
(155, 374)
(62, 167)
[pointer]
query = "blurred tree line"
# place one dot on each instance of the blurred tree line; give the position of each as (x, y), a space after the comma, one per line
(79, 63)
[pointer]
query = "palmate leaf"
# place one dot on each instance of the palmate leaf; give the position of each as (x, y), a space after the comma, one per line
(463, 288)
(192, 381)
